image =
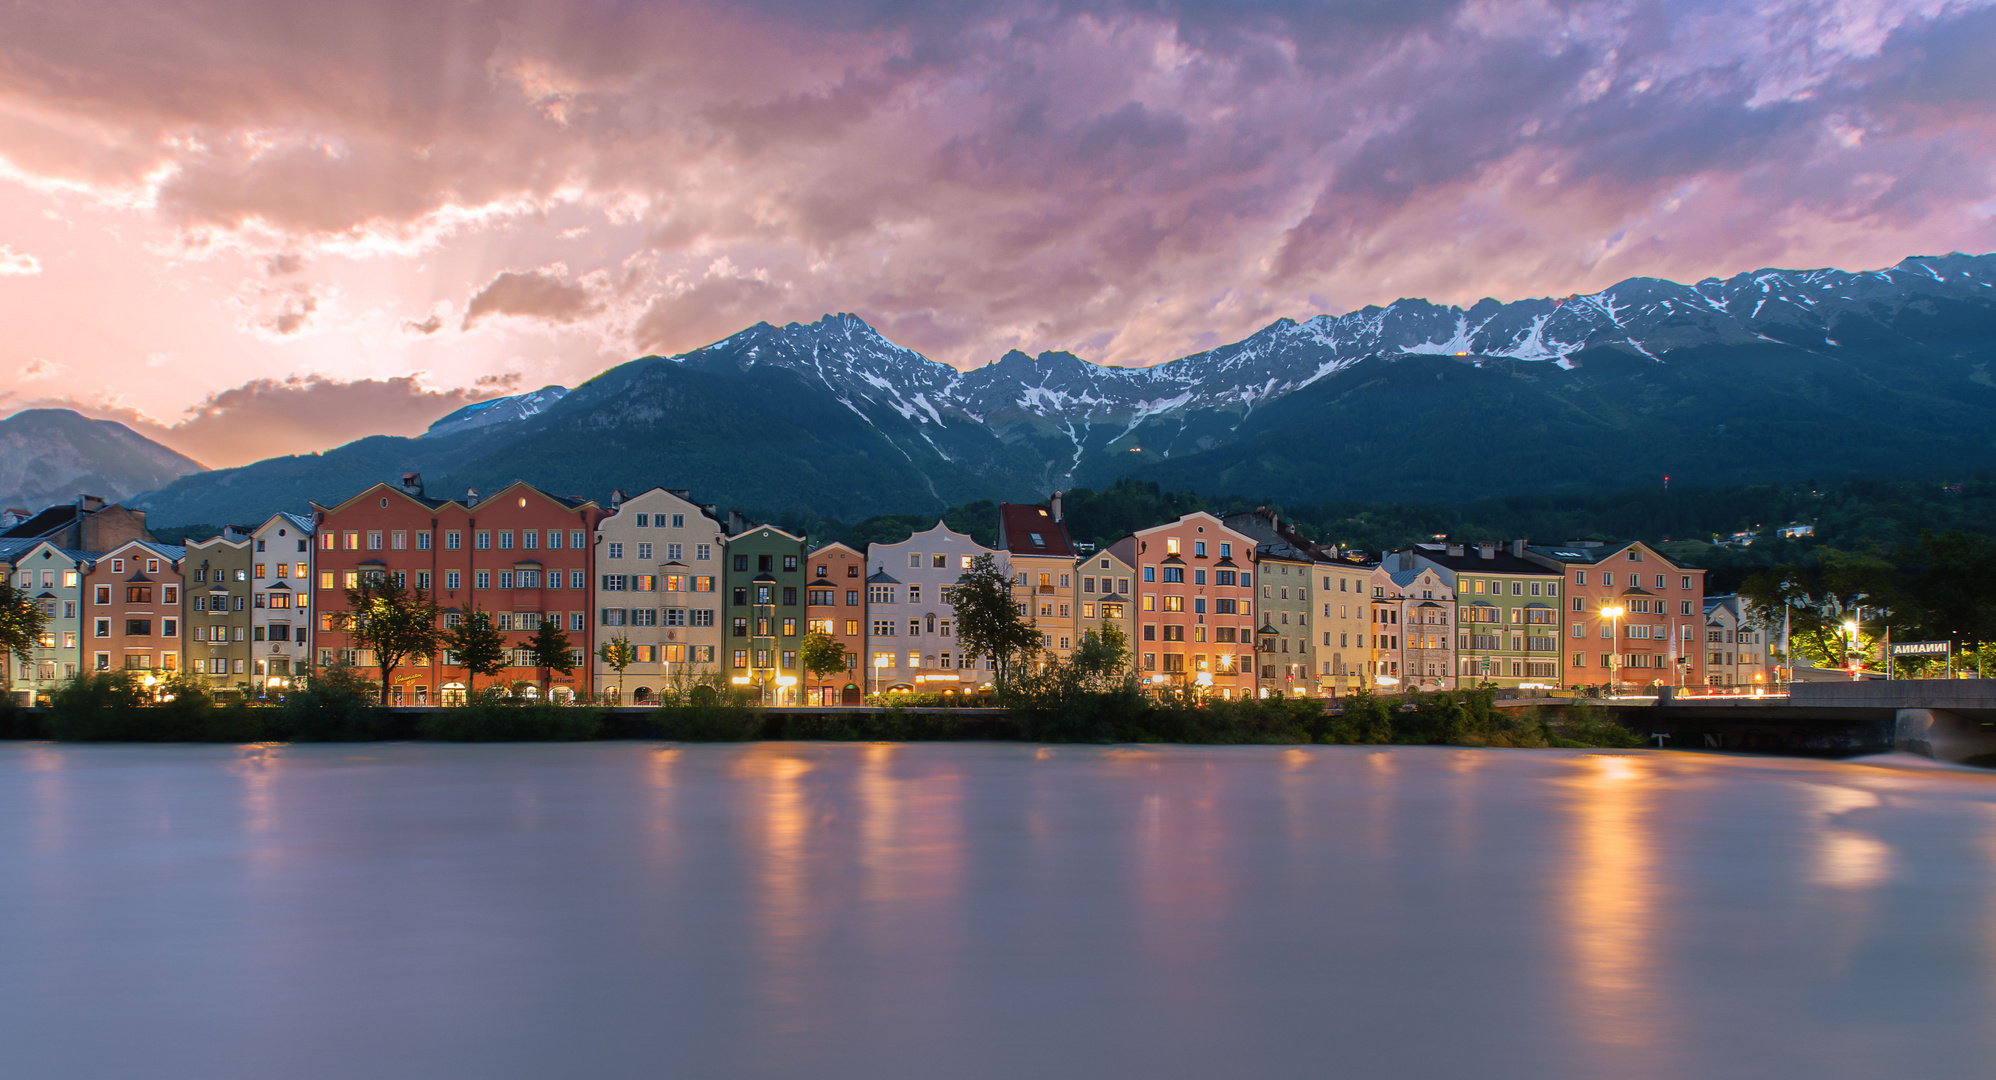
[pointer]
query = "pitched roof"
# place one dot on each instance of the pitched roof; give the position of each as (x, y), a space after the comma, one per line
(1025, 529)
(44, 523)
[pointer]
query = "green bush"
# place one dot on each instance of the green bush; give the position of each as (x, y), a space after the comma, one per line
(493, 716)
(891, 725)
(1365, 720)
(707, 723)
(337, 705)
(1587, 725)
(17, 722)
(116, 707)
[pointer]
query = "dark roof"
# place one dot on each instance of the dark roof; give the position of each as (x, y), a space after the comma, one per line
(881, 577)
(1018, 523)
(1471, 561)
(50, 520)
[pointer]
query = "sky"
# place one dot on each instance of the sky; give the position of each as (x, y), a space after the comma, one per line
(257, 228)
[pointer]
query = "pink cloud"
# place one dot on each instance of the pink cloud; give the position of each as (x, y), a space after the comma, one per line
(1130, 181)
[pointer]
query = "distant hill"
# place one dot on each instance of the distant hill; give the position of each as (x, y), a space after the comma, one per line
(51, 455)
(1766, 376)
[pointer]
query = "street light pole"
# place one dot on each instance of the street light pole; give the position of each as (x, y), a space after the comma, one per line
(1614, 613)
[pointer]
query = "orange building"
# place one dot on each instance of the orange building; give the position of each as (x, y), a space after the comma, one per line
(835, 603)
(1657, 639)
(132, 601)
(1195, 605)
(521, 555)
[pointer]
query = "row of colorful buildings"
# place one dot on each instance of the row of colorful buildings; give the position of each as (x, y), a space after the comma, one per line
(1229, 606)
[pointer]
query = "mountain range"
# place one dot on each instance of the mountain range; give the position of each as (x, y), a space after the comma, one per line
(52, 455)
(1769, 375)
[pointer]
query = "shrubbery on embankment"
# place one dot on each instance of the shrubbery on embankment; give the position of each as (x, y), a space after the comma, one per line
(115, 707)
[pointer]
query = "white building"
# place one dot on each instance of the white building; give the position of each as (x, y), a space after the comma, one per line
(281, 595)
(658, 585)
(910, 641)
(1736, 647)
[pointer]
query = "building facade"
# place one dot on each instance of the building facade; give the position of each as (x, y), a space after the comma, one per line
(911, 639)
(1507, 613)
(659, 557)
(1423, 620)
(281, 605)
(520, 555)
(218, 610)
(765, 612)
(1041, 554)
(1195, 606)
(1655, 640)
(1286, 661)
(835, 604)
(1344, 624)
(132, 597)
(1736, 647)
(52, 578)
(1105, 582)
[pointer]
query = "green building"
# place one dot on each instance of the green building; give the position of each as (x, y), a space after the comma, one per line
(764, 578)
(1507, 613)
(217, 599)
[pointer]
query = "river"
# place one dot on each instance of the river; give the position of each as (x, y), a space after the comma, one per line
(974, 910)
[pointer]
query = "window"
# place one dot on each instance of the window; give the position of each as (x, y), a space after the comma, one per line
(451, 579)
(1580, 577)
(789, 595)
(1684, 582)
(505, 579)
(1174, 574)
(1174, 603)
(644, 552)
(616, 551)
(484, 579)
(883, 628)
(880, 594)
(1198, 549)
(611, 582)
(644, 520)
(1150, 573)
(679, 521)
(482, 541)
(1171, 545)
(852, 597)
(673, 552)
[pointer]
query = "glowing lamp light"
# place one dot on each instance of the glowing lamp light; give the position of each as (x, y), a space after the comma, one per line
(786, 680)
(1204, 678)
(1613, 611)
(740, 680)
(1850, 627)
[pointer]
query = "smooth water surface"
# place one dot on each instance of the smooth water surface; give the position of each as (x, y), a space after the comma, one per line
(983, 910)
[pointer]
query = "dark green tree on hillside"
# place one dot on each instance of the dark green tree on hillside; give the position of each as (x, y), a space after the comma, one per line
(990, 624)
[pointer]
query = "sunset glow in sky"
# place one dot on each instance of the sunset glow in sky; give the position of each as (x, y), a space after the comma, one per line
(259, 228)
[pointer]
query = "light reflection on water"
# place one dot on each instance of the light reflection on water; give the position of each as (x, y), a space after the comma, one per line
(984, 910)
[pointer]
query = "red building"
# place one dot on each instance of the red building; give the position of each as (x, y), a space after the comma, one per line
(1195, 605)
(520, 554)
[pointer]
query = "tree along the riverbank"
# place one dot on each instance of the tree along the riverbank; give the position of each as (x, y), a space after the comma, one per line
(338, 706)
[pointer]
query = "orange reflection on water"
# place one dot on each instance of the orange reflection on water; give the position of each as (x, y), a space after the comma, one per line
(1847, 858)
(779, 818)
(1613, 908)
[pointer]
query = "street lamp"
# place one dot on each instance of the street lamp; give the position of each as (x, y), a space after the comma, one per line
(1850, 638)
(1614, 613)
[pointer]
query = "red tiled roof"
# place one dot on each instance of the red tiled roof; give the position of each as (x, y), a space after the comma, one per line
(1018, 523)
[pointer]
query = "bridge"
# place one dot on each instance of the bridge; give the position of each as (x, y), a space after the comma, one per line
(1944, 719)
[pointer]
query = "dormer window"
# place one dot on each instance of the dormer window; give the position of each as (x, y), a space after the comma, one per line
(1037, 539)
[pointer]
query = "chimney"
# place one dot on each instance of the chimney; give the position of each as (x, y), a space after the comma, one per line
(1455, 551)
(412, 483)
(616, 498)
(1486, 550)
(737, 524)
(1056, 507)
(471, 496)
(90, 503)
(1518, 548)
